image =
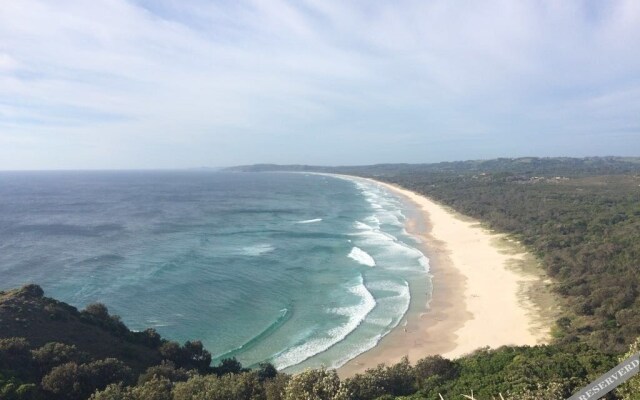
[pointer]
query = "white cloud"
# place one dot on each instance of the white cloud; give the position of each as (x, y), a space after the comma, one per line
(225, 82)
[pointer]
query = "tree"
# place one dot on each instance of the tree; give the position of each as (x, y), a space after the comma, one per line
(98, 310)
(197, 355)
(228, 366)
(166, 370)
(192, 355)
(275, 388)
(173, 352)
(546, 390)
(15, 355)
(434, 368)
(64, 380)
(31, 291)
(72, 381)
(150, 338)
(155, 389)
(631, 389)
(99, 374)
(54, 354)
(244, 386)
(315, 384)
(266, 371)
(396, 380)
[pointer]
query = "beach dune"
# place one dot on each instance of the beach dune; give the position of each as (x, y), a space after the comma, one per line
(479, 299)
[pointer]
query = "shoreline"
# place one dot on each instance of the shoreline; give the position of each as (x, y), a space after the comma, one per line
(482, 286)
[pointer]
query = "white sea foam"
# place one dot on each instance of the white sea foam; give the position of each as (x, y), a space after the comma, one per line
(384, 236)
(355, 314)
(156, 323)
(424, 262)
(403, 298)
(362, 226)
(309, 221)
(399, 304)
(362, 257)
(257, 250)
(388, 286)
(399, 300)
(386, 243)
(380, 322)
(373, 221)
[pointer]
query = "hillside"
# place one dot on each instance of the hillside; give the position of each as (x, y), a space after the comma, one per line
(27, 313)
(546, 166)
(53, 351)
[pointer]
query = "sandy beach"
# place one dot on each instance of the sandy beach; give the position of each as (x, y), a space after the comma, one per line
(484, 292)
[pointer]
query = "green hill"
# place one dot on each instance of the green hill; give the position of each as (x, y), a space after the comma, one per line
(51, 350)
(26, 313)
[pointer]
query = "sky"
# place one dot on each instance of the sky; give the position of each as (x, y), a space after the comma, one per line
(124, 84)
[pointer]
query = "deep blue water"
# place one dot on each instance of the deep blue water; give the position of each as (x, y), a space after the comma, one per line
(297, 269)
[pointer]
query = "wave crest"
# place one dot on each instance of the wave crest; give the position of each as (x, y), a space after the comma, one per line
(355, 314)
(362, 257)
(309, 221)
(257, 250)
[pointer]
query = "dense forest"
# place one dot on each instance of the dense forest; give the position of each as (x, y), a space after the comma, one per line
(580, 217)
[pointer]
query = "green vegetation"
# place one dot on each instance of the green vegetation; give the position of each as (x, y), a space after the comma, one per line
(580, 217)
(50, 350)
(58, 371)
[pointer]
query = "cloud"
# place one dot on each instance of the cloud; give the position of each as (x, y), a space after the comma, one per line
(167, 83)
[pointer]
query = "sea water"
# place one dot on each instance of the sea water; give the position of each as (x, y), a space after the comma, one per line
(300, 270)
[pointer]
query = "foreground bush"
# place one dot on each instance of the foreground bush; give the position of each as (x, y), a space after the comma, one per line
(315, 384)
(631, 389)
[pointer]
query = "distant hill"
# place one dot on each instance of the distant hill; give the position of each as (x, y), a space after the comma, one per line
(543, 166)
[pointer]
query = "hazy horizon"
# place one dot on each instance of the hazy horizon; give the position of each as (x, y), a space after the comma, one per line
(227, 167)
(141, 84)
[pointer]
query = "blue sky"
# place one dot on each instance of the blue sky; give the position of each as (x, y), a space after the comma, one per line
(189, 83)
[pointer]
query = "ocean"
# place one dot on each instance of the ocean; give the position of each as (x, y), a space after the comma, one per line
(301, 270)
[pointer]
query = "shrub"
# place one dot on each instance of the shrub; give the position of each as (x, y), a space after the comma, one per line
(275, 388)
(243, 386)
(631, 389)
(155, 389)
(315, 384)
(266, 371)
(396, 380)
(54, 354)
(72, 381)
(166, 370)
(15, 355)
(434, 367)
(229, 366)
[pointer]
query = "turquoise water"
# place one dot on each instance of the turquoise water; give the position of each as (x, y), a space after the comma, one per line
(301, 270)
